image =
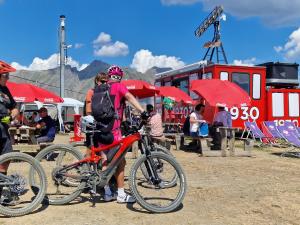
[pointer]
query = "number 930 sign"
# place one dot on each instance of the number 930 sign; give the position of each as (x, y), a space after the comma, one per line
(244, 113)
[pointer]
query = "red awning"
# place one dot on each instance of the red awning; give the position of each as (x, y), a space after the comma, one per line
(216, 91)
(140, 88)
(24, 92)
(175, 93)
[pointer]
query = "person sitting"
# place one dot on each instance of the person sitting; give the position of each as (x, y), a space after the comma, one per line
(47, 126)
(155, 122)
(33, 119)
(22, 119)
(221, 119)
(196, 118)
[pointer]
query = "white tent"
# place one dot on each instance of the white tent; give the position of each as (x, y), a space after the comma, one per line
(67, 108)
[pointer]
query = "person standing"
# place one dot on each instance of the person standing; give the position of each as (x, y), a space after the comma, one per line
(118, 93)
(8, 112)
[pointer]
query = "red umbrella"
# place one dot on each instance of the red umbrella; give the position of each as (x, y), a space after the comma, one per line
(216, 91)
(140, 88)
(25, 92)
(176, 94)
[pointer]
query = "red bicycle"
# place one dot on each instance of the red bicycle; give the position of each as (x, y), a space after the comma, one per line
(156, 179)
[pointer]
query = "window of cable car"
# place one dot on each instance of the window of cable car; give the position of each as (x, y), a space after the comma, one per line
(223, 76)
(182, 84)
(256, 86)
(294, 104)
(243, 80)
(192, 77)
(277, 105)
(207, 75)
(157, 99)
(167, 83)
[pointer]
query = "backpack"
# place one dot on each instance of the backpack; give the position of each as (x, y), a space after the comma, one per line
(186, 126)
(103, 109)
(203, 130)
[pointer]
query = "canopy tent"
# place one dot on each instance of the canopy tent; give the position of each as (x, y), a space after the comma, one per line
(67, 109)
(140, 88)
(175, 94)
(24, 92)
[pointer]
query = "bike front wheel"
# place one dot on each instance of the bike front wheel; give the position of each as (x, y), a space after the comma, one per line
(65, 175)
(18, 196)
(151, 193)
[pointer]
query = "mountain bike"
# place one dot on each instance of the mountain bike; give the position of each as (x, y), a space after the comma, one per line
(19, 196)
(71, 173)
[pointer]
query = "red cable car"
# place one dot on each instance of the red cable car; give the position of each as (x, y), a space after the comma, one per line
(271, 86)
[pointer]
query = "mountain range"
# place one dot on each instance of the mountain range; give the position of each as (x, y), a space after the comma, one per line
(77, 82)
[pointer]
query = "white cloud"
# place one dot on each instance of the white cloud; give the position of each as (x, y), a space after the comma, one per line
(272, 12)
(144, 60)
(103, 46)
(78, 45)
(291, 49)
(102, 38)
(50, 63)
(245, 62)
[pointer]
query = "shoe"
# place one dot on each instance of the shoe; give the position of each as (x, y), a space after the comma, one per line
(109, 198)
(125, 199)
(9, 201)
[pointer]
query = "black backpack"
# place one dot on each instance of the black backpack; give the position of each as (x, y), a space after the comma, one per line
(186, 126)
(103, 109)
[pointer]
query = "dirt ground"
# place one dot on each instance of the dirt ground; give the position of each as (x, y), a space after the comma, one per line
(264, 189)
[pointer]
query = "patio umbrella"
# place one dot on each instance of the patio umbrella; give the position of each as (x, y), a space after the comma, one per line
(216, 92)
(175, 93)
(24, 92)
(140, 88)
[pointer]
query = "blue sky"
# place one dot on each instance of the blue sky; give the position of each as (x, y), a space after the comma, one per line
(142, 34)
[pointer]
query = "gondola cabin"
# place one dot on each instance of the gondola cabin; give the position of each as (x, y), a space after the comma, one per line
(272, 88)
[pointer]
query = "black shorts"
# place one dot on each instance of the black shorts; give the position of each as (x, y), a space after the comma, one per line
(5, 142)
(103, 138)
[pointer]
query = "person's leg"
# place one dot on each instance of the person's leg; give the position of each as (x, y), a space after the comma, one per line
(5, 147)
(120, 175)
(44, 139)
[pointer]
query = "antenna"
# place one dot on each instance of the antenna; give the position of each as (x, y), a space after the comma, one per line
(214, 46)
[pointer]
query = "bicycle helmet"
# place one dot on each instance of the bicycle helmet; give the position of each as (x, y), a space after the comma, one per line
(5, 68)
(115, 72)
(87, 122)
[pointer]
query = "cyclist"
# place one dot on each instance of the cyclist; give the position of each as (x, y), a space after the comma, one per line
(8, 112)
(120, 94)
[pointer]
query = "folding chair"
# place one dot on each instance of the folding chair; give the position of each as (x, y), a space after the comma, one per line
(252, 129)
(291, 138)
(292, 128)
(271, 128)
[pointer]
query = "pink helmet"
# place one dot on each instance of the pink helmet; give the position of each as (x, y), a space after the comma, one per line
(115, 72)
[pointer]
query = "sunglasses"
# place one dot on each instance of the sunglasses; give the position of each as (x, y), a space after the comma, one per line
(115, 77)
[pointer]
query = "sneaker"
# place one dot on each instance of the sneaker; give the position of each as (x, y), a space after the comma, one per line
(9, 201)
(125, 199)
(109, 198)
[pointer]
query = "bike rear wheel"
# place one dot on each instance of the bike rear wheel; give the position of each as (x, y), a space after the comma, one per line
(151, 193)
(65, 182)
(20, 197)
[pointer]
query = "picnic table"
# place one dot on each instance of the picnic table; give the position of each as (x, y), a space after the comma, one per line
(23, 139)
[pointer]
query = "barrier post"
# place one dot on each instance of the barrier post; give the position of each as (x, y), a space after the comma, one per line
(77, 130)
